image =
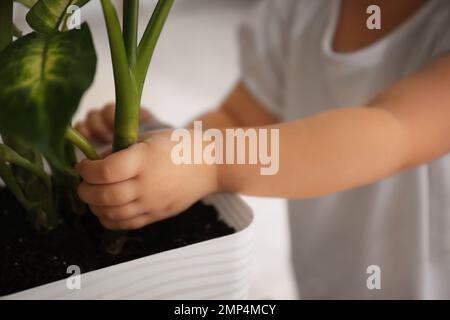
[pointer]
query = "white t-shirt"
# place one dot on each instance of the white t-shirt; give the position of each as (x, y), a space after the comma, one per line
(401, 224)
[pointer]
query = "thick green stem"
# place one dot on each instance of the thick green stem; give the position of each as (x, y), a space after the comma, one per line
(149, 40)
(40, 211)
(130, 29)
(66, 199)
(9, 155)
(6, 23)
(126, 128)
(130, 70)
(8, 178)
(29, 182)
(81, 143)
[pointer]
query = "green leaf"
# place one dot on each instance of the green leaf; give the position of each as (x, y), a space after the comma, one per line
(42, 80)
(46, 15)
(150, 39)
(27, 3)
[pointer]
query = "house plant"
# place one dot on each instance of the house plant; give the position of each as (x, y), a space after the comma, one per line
(37, 101)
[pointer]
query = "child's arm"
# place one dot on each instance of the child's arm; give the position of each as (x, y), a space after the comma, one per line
(403, 127)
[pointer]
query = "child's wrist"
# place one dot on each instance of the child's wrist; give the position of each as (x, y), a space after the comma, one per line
(224, 178)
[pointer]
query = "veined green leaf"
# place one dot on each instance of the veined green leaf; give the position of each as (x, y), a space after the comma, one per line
(42, 80)
(46, 15)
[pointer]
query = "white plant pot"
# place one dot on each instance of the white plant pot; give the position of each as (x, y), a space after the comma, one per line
(213, 269)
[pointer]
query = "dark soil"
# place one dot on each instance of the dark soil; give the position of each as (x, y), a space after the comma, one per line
(28, 259)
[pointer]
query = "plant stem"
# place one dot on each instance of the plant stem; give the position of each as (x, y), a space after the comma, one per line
(9, 155)
(149, 40)
(66, 199)
(126, 127)
(130, 29)
(8, 178)
(81, 143)
(6, 23)
(40, 213)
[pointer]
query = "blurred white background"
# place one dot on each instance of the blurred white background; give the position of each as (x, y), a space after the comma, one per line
(195, 65)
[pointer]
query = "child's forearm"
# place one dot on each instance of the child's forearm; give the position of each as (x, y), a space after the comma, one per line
(404, 126)
(326, 153)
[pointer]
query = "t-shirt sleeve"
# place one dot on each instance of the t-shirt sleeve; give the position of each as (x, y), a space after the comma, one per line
(262, 41)
(442, 43)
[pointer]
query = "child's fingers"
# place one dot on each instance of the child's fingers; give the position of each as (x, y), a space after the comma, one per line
(82, 128)
(144, 115)
(117, 167)
(117, 194)
(98, 127)
(108, 113)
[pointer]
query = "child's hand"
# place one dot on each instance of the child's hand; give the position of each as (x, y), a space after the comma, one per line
(141, 185)
(99, 124)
